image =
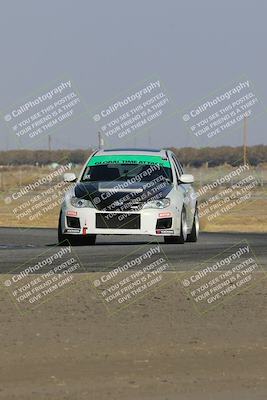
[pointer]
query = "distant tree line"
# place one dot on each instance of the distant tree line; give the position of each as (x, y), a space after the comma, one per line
(43, 157)
(194, 157)
(213, 156)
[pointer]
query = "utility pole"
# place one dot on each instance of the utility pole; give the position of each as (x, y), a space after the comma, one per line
(245, 140)
(7, 142)
(100, 140)
(49, 149)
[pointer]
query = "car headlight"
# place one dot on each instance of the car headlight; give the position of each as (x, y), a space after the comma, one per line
(162, 203)
(80, 203)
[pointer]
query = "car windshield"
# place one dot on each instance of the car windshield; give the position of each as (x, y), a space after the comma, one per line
(137, 171)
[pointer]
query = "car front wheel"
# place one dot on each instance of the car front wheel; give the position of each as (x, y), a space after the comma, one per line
(193, 236)
(183, 232)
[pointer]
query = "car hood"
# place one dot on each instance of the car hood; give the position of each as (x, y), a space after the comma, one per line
(121, 195)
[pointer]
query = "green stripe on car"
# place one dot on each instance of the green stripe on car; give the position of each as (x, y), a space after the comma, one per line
(128, 159)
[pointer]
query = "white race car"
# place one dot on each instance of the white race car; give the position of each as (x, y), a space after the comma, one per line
(130, 192)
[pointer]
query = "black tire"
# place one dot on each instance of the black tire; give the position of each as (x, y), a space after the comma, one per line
(60, 236)
(193, 236)
(178, 239)
(74, 240)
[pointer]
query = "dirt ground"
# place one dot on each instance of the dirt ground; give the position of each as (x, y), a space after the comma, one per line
(158, 348)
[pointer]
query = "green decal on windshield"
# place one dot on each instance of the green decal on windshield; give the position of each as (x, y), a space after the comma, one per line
(129, 159)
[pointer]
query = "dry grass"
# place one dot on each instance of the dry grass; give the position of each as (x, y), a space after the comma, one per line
(251, 217)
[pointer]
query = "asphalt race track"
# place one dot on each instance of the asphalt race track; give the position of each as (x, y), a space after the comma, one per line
(19, 245)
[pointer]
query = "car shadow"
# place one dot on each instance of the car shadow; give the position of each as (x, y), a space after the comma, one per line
(104, 244)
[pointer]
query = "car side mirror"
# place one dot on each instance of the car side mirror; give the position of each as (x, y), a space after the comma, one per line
(186, 178)
(69, 177)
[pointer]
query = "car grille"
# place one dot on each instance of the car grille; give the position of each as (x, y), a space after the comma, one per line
(117, 221)
(120, 206)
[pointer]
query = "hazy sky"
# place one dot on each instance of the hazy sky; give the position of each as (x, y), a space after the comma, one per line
(107, 47)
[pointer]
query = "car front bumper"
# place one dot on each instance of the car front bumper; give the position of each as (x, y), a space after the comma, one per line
(156, 222)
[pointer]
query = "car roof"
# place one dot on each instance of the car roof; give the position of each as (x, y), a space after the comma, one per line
(133, 151)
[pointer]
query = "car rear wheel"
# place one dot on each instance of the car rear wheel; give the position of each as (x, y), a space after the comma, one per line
(183, 232)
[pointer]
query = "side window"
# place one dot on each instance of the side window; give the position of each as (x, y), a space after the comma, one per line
(176, 169)
(181, 168)
(178, 166)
